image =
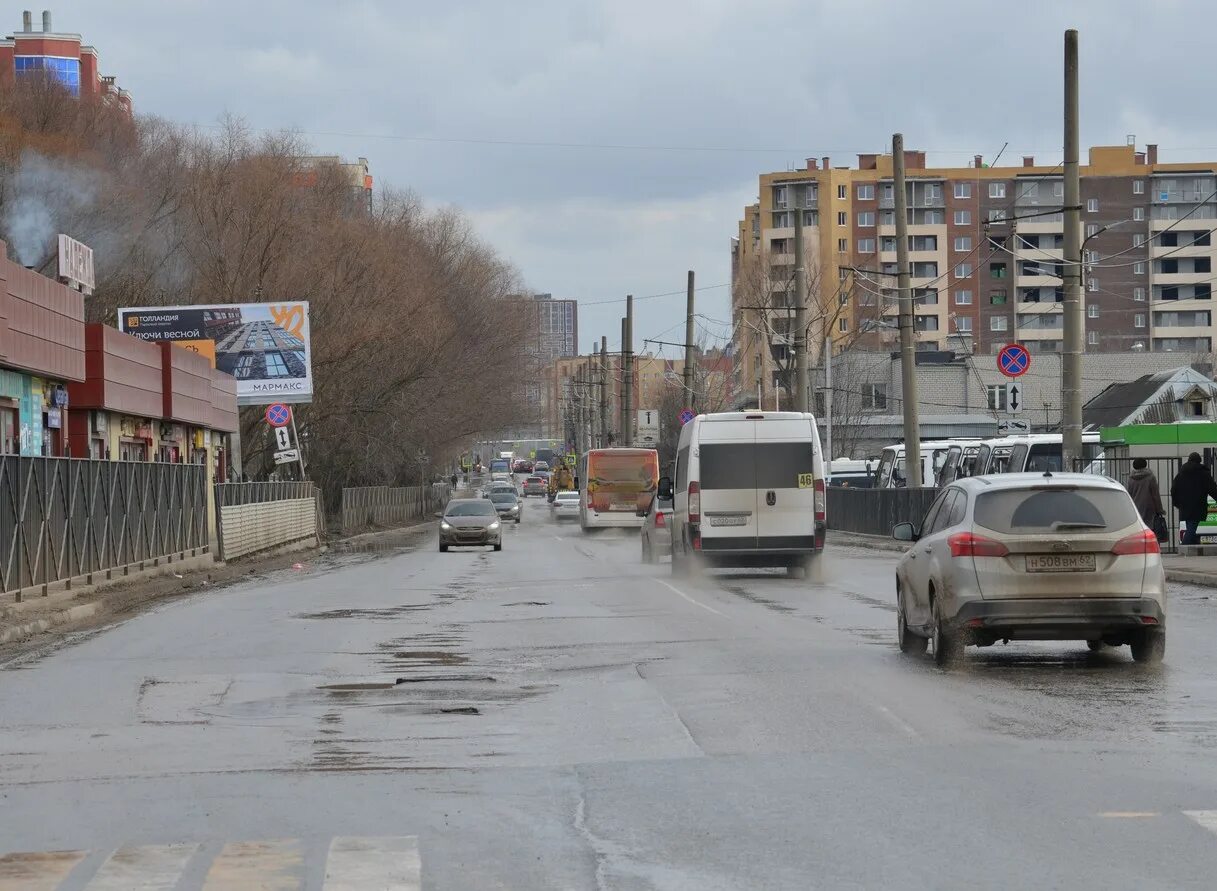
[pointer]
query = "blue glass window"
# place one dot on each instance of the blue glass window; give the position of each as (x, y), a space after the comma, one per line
(275, 366)
(66, 71)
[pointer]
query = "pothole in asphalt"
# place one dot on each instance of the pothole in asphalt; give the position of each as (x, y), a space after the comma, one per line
(410, 658)
(528, 603)
(758, 599)
(390, 612)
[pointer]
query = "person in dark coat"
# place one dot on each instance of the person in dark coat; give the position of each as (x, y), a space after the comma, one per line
(1142, 485)
(1191, 489)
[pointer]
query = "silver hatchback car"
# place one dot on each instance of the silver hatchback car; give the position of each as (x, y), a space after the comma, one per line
(1028, 556)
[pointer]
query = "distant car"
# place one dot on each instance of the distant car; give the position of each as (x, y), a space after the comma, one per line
(470, 521)
(539, 466)
(657, 530)
(535, 485)
(507, 504)
(566, 506)
(500, 478)
(522, 465)
(1030, 556)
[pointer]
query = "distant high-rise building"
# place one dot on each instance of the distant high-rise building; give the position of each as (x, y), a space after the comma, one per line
(557, 328)
(357, 173)
(60, 56)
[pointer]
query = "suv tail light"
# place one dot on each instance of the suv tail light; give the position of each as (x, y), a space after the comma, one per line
(819, 489)
(694, 502)
(1143, 542)
(968, 544)
(659, 523)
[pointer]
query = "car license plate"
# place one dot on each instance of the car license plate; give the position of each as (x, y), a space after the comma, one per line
(728, 521)
(1060, 563)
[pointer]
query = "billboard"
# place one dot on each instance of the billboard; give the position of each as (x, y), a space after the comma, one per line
(265, 346)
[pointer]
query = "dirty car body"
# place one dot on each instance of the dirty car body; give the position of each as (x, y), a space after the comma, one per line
(470, 522)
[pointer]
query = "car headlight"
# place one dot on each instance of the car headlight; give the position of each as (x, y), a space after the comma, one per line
(445, 525)
(493, 526)
(515, 509)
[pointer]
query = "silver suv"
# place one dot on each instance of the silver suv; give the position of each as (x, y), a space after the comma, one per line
(1030, 556)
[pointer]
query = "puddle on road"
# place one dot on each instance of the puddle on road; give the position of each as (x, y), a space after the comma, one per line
(390, 612)
(758, 599)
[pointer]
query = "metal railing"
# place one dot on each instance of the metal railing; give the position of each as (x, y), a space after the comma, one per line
(63, 518)
(371, 506)
(875, 511)
(1164, 469)
(257, 493)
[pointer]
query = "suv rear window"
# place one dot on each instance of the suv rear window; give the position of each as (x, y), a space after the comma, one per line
(1059, 509)
(746, 465)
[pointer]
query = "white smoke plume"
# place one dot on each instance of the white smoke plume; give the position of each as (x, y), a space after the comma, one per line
(44, 196)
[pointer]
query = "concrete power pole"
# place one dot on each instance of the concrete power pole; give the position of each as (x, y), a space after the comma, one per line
(627, 375)
(606, 435)
(593, 416)
(799, 342)
(690, 356)
(621, 427)
(1074, 322)
(908, 351)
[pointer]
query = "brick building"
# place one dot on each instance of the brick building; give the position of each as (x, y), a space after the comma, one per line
(62, 56)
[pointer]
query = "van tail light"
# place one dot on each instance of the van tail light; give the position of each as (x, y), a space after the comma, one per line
(659, 523)
(694, 502)
(1143, 542)
(967, 544)
(819, 489)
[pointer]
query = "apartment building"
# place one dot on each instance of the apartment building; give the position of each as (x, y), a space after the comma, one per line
(985, 248)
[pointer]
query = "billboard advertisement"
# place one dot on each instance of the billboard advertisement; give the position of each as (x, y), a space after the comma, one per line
(265, 346)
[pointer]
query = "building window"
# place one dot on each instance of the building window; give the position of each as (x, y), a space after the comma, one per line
(963, 190)
(1138, 321)
(1138, 213)
(997, 270)
(963, 324)
(1138, 294)
(245, 366)
(1058, 189)
(997, 323)
(996, 394)
(275, 366)
(963, 243)
(997, 298)
(1138, 187)
(963, 298)
(842, 218)
(1092, 205)
(866, 218)
(1092, 284)
(866, 245)
(874, 396)
(1138, 269)
(1092, 310)
(963, 270)
(963, 218)
(997, 190)
(842, 191)
(1092, 337)
(1138, 240)
(866, 192)
(996, 214)
(842, 274)
(1092, 229)
(842, 325)
(65, 71)
(843, 245)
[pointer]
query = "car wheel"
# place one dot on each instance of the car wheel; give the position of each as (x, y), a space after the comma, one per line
(517, 521)
(948, 645)
(1150, 648)
(1095, 645)
(499, 546)
(796, 570)
(443, 548)
(910, 643)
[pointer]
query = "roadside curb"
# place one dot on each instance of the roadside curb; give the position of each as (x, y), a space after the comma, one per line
(1189, 577)
(59, 617)
(867, 542)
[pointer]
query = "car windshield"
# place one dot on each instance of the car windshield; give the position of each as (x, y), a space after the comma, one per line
(567, 496)
(469, 509)
(503, 497)
(1060, 509)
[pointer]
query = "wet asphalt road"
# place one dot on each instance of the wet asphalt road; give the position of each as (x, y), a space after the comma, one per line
(568, 718)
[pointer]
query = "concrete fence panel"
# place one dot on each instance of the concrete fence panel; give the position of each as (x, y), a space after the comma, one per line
(256, 517)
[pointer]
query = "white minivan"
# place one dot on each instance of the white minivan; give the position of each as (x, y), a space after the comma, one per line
(749, 491)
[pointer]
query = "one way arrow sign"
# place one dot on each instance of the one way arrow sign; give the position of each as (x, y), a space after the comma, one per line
(1014, 398)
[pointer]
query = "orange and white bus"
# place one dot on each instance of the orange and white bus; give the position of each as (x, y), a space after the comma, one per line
(614, 485)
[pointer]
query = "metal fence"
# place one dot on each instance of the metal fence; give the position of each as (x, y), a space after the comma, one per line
(63, 518)
(257, 493)
(875, 511)
(370, 506)
(1164, 469)
(255, 517)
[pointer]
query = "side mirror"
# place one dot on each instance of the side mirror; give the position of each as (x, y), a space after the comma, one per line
(439, 515)
(904, 532)
(665, 487)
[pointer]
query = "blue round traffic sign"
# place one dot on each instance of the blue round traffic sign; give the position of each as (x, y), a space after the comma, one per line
(686, 415)
(278, 415)
(1013, 360)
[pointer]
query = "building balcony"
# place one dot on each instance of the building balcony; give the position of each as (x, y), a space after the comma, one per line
(1172, 279)
(1035, 281)
(1180, 251)
(1042, 308)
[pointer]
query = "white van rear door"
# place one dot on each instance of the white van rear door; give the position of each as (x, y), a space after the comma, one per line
(785, 481)
(727, 470)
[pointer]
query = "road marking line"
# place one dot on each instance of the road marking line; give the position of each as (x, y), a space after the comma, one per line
(1129, 815)
(275, 865)
(677, 590)
(898, 721)
(1207, 819)
(37, 870)
(143, 867)
(390, 863)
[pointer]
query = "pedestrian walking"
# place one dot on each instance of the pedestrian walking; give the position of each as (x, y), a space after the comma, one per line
(1142, 485)
(1191, 490)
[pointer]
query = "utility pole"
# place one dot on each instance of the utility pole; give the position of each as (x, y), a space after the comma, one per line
(690, 396)
(799, 342)
(606, 435)
(592, 414)
(621, 427)
(828, 400)
(627, 374)
(1074, 322)
(904, 297)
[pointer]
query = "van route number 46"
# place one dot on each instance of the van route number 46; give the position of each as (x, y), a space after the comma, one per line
(806, 480)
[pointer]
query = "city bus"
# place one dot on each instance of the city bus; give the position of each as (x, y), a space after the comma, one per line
(615, 485)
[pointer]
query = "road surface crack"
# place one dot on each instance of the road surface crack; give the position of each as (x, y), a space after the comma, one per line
(675, 714)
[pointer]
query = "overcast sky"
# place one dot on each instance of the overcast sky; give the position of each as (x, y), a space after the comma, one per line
(607, 146)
